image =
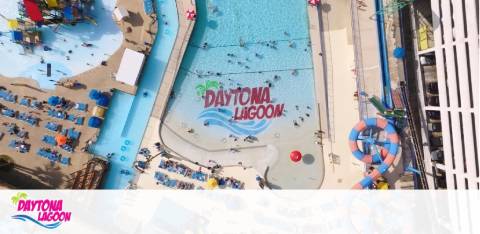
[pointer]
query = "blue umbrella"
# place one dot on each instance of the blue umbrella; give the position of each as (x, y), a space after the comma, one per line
(94, 94)
(399, 53)
(94, 122)
(103, 100)
(53, 100)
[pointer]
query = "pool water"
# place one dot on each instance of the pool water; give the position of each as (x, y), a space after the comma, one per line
(105, 37)
(246, 45)
(128, 115)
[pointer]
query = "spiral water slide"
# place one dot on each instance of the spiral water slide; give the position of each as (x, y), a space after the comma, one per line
(375, 151)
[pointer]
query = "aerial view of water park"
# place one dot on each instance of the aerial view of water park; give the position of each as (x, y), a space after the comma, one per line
(220, 94)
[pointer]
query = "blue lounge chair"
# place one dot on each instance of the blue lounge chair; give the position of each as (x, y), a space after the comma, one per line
(9, 113)
(79, 120)
(67, 148)
(71, 118)
(81, 106)
(65, 161)
(36, 105)
(49, 140)
(72, 134)
(52, 126)
(25, 102)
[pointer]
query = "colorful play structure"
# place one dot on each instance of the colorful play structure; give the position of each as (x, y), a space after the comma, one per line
(33, 14)
(375, 150)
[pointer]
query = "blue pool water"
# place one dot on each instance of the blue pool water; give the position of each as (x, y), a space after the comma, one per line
(267, 39)
(128, 115)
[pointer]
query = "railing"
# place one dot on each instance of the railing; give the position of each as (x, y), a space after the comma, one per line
(419, 159)
(362, 101)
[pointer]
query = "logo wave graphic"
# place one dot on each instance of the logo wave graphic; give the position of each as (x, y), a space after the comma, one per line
(222, 117)
(26, 217)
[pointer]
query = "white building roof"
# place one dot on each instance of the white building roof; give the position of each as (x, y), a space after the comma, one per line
(130, 67)
(120, 13)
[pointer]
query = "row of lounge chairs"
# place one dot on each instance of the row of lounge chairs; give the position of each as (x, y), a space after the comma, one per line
(63, 115)
(27, 118)
(181, 169)
(37, 105)
(172, 183)
(53, 156)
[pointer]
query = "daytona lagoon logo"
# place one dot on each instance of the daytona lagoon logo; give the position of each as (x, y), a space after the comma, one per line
(46, 213)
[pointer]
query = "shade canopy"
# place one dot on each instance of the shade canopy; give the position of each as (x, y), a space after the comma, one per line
(191, 15)
(94, 94)
(103, 100)
(53, 100)
(98, 111)
(296, 156)
(61, 139)
(94, 122)
(212, 183)
(130, 67)
(33, 11)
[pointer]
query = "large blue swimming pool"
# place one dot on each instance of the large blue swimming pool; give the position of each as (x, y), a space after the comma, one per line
(128, 115)
(248, 74)
(245, 45)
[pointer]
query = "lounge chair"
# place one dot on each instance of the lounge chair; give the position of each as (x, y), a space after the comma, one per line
(65, 161)
(81, 106)
(52, 126)
(72, 134)
(49, 140)
(79, 120)
(71, 118)
(36, 105)
(25, 102)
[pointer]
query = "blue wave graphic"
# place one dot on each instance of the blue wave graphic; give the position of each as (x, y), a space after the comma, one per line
(26, 217)
(221, 117)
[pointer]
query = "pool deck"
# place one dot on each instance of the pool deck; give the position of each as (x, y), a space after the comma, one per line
(335, 84)
(32, 171)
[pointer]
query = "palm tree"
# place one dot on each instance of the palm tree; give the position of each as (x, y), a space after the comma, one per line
(209, 84)
(18, 197)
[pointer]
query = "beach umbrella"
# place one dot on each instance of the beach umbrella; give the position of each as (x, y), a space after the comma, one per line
(94, 122)
(313, 2)
(296, 156)
(399, 53)
(103, 100)
(191, 15)
(61, 139)
(53, 100)
(94, 94)
(212, 183)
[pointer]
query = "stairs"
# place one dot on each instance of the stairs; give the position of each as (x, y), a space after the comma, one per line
(91, 176)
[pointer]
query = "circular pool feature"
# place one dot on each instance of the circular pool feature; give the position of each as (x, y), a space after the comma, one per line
(123, 158)
(127, 142)
(123, 148)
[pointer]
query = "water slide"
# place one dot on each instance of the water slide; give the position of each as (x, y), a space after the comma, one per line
(383, 50)
(375, 151)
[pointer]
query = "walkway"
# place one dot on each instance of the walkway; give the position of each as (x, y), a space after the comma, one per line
(335, 85)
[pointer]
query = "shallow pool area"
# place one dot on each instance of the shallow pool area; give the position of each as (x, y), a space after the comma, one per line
(246, 82)
(67, 56)
(128, 115)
